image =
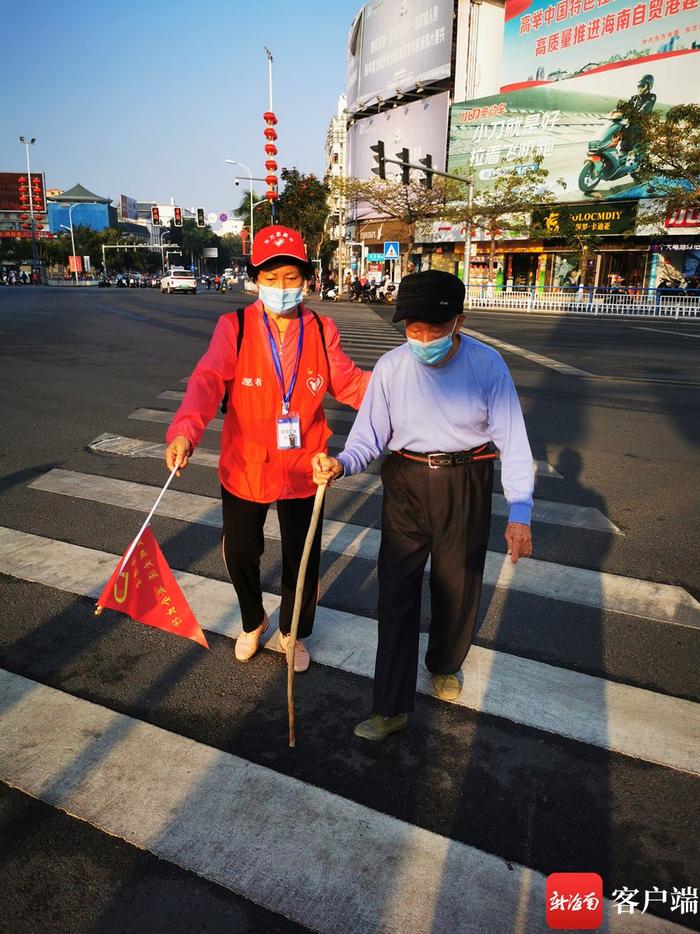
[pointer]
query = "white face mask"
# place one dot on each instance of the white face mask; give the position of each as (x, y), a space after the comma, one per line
(280, 301)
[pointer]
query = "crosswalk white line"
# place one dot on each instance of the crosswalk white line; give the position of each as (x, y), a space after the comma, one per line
(336, 440)
(552, 364)
(216, 424)
(580, 517)
(341, 415)
(257, 832)
(602, 590)
(624, 719)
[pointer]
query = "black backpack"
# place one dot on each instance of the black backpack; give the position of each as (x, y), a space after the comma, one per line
(240, 312)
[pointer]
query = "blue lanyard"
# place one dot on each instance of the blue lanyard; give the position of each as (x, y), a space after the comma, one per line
(286, 396)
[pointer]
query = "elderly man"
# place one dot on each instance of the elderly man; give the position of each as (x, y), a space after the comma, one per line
(437, 403)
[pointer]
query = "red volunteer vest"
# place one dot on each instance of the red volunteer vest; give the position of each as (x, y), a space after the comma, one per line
(251, 466)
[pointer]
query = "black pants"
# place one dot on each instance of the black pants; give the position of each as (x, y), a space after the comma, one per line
(243, 544)
(444, 513)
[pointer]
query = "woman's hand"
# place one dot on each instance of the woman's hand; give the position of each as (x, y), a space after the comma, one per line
(178, 452)
(325, 469)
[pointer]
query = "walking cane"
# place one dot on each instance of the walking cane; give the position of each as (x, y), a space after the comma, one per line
(318, 502)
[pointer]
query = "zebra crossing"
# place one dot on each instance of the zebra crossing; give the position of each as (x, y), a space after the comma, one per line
(310, 838)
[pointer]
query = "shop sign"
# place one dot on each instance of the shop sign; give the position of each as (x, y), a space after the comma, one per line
(375, 257)
(672, 246)
(609, 219)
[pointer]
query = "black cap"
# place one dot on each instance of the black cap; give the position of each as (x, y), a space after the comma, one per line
(433, 296)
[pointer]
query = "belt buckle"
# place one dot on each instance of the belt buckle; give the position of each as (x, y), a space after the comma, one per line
(435, 465)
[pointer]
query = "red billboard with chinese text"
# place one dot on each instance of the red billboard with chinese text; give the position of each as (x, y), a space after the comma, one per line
(18, 193)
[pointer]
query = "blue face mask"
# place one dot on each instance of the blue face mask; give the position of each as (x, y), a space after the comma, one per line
(432, 352)
(279, 301)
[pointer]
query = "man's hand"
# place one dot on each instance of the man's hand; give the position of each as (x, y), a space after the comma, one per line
(519, 541)
(178, 452)
(325, 469)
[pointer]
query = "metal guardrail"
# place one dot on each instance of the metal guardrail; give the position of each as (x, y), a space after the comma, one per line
(590, 300)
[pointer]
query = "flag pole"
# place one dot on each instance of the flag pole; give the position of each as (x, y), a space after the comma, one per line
(149, 517)
(318, 502)
(143, 528)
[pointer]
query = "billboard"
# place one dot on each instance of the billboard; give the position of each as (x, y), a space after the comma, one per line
(395, 44)
(563, 121)
(421, 127)
(127, 208)
(15, 194)
(554, 41)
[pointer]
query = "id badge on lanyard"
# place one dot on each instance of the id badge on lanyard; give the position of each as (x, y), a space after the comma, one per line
(289, 424)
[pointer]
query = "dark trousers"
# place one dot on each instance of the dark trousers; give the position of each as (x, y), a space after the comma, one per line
(444, 513)
(243, 544)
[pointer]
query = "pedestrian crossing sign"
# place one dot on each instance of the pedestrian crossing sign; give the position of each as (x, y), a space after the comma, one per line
(391, 249)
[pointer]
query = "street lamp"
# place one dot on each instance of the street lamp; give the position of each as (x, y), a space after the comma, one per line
(250, 176)
(72, 239)
(27, 142)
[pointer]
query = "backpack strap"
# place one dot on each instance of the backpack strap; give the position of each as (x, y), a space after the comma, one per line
(239, 340)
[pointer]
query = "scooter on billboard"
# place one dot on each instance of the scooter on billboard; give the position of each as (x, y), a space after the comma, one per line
(606, 160)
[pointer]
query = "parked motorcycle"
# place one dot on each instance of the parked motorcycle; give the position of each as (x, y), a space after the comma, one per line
(605, 161)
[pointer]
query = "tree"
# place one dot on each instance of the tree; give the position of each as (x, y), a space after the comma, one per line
(505, 205)
(410, 204)
(667, 153)
(303, 205)
(261, 212)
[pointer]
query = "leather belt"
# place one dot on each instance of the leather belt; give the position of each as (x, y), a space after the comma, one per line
(450, 458)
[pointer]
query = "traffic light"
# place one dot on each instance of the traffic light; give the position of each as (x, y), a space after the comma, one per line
(405, 171)
(177, 217)
(200, 217)
(428, 163)
(155, 216)
(378, 150)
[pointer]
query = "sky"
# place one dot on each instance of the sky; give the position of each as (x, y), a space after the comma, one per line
(147, 98)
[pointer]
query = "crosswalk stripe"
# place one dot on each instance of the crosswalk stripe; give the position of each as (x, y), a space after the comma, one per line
(557, 365)
(258, 832)
(602, 590)
(216, 424)
(624, 719)
(580, 517)
(342, 415)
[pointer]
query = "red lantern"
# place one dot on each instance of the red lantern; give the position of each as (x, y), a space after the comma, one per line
(26, 226)
(271, 195)
(271, 180)
(271, 165)
(270, 133)
(24, 217)
(269, 118)
(39, 226)
(271, 149)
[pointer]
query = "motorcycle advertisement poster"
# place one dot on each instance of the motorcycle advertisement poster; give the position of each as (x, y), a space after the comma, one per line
(566, 67)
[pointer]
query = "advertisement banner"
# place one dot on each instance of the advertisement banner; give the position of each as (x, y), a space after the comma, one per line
(588, 150)
(127, 208)
(553, 41)
(393, 46)
(617, 219)
(75, 263)
(420, 127)
(15, 195)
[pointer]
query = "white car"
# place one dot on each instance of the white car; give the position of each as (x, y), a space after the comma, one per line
(178, 280)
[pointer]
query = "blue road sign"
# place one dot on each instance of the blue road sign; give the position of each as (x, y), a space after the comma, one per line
(391, 249)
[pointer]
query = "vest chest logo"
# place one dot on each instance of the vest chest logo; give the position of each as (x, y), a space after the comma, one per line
(315, 383)
(250, 381)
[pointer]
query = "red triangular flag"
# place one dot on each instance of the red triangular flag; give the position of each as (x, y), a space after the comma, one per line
(147, 591)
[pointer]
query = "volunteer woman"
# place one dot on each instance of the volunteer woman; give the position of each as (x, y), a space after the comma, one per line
(274, 375)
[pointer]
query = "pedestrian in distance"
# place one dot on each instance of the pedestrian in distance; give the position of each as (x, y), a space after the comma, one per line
(273, 362)
(439, 403)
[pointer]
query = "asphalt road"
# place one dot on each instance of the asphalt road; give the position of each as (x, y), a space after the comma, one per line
(615, 639)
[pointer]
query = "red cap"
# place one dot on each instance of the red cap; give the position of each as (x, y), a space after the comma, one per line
(277, 241)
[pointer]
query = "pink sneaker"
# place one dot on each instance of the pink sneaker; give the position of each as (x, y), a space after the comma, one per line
(302, 659)
(248, 643)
